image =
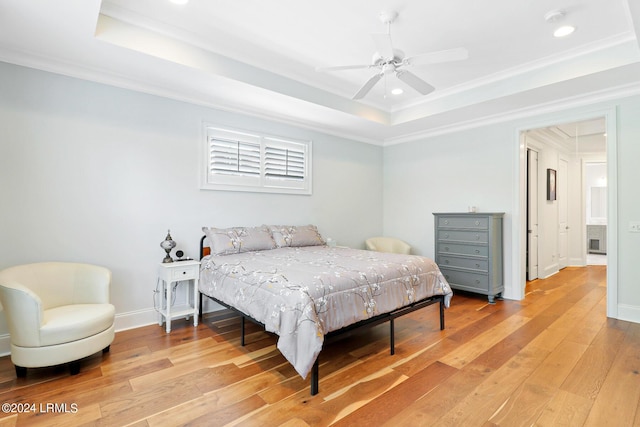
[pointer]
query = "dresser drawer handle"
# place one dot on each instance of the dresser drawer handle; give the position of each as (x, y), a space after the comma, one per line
(446, 261)
(477, 282)
(477, 237)
(446, 221)
(477, 265)
(446, 235)
(477, 222)
(446, 248)
(477, 251)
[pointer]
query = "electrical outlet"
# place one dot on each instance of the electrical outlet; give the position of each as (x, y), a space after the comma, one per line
(634, 226)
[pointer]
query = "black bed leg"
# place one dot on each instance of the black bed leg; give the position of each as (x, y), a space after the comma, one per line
(200, 305)
(392, 337)
(242, 332)
(314, 378)
(442, 314)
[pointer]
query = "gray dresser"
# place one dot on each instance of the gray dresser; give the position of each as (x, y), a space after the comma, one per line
(469, 251)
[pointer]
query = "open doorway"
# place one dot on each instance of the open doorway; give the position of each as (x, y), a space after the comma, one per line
(595, 180)
(566, 225)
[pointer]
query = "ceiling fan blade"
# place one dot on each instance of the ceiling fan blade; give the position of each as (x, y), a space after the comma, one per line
(415, 82)
(383, 44)
(368, 86)
(448, 55)
(342, 67)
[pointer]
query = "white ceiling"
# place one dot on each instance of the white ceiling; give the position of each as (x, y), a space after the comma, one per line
(260, 56)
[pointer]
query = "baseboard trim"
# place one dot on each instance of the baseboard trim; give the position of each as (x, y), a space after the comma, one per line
(123, 321)
(629, 313)
(5, 345)
(136, 319)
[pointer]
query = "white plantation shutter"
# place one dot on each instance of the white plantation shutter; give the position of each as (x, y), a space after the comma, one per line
(234, 157)
(244, 161)
(284, 160)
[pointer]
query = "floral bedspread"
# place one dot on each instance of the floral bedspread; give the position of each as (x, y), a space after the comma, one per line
(302, 293)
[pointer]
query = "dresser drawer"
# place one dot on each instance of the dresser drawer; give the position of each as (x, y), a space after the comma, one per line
(463, 236)
(462, 249)
(466, 280)
(482, 265)
(463, 222)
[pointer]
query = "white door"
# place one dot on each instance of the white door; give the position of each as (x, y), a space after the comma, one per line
(562, 189)
(532, 215)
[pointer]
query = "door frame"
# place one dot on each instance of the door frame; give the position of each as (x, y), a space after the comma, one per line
(532, 181)
(519, 223)
(563, 203)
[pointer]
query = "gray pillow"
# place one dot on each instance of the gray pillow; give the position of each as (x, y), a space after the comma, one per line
(223, 241)
(296, 235)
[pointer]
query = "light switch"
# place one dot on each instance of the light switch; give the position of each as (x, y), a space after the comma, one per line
(634, 226)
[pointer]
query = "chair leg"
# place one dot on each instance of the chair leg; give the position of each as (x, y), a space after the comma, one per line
(74, 367)
(21, 371)
(106, 349)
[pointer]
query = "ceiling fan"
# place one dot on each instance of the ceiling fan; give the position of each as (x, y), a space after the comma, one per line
(387, 60)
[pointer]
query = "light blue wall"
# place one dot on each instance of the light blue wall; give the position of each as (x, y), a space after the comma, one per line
(97, 174)
(629, 205)
(93, 173)
(445, 174)
(480, 167)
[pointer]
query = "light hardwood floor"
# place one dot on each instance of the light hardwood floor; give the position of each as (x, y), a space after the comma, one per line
(553, 359)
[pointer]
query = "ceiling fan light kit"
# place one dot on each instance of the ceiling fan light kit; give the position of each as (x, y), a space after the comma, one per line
(387, 17)
(387, 60)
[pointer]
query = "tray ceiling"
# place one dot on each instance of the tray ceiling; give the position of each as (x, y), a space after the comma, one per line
(260, 56)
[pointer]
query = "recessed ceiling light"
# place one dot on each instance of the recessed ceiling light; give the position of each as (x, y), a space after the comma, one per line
(397, 91)
(563, 31)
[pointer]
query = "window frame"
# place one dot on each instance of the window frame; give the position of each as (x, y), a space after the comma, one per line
(287, 178)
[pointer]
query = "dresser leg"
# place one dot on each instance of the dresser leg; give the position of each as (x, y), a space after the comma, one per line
(493, 298)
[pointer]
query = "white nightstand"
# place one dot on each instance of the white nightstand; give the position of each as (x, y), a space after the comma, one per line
(175, 272)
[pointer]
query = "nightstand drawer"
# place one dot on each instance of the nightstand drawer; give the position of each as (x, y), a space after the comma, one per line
(185, 273)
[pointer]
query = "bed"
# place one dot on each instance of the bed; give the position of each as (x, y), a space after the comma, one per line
(288, 280)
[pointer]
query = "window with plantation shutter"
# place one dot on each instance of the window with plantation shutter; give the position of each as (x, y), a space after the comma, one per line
(246, 161)
(234, 158)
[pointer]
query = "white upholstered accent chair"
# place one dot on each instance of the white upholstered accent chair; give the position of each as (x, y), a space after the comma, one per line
(57, 313)
(388, 244)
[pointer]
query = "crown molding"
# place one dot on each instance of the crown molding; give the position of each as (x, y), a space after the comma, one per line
(582, 100)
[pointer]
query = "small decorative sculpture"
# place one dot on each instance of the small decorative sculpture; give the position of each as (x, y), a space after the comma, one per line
(167, 244)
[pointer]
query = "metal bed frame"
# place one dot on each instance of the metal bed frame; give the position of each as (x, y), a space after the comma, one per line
(372, 321)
